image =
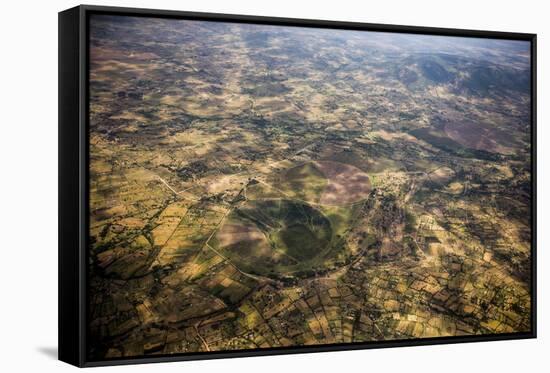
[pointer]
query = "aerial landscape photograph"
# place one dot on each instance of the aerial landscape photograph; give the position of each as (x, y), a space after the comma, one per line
(261, 186)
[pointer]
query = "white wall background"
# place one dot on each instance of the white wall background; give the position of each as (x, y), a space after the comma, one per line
(28, 184)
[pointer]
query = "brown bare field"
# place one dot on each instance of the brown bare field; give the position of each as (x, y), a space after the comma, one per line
(481, 136)
(231, 234)
(108, 54)
(346, 184)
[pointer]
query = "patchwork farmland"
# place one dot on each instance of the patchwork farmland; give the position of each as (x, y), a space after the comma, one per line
(253, 186)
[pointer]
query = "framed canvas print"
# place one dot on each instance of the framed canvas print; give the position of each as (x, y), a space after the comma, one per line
(236, 186)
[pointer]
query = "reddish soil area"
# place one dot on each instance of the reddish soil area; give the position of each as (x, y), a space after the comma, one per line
(231, 234)
(346, 183)
(481, 136)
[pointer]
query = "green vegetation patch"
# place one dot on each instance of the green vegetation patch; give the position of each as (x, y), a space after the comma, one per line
(305, 182)
(301, 242)
(276, 237)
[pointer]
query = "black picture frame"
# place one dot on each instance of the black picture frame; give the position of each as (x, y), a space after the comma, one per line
(74, 177)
